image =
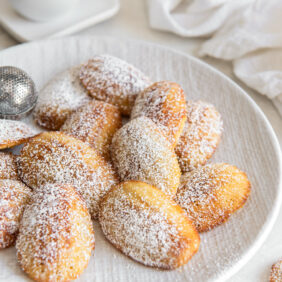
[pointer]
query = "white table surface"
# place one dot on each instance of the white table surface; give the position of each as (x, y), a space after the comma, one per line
(132, 22)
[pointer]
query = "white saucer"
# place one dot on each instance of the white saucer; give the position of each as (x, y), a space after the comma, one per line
(88, 13)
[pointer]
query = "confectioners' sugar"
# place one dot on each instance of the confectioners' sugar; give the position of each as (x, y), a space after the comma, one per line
(49, 230)
(164, 103)
(113, 80)
(95, 124)
(13, 198)
(13, 132)
(58, 158)
(200, 136)
(141, 152)
(143, 225)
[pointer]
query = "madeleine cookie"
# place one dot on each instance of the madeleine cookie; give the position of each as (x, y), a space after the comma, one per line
(146, 225)
(276, 272)
(13, 133)
(113, 80)
(58, 158)
(13, 198)
(200, 136)
(95, 124)
(59, 98)
(164, 103)
(56, 235)
(210, 194)
(141, 152)
(8, 166)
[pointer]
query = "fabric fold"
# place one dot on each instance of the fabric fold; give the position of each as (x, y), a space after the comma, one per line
(196, 19)
(247, 32)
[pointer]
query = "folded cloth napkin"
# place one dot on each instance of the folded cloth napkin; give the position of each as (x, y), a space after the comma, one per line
(249, 32)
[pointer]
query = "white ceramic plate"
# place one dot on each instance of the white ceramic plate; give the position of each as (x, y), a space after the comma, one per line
(248, 142)
(88, 13)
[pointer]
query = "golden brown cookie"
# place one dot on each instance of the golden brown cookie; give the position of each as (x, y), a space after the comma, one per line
(95, 124)
(200, 137)
(13, 133)
(13, 197)
(146, 225)
(59, 98)
(276, 272)
(56, 235)
(141, 152)
(211, 193)
(55, 157)
(114, 81)
(164, 103)
(8, 166)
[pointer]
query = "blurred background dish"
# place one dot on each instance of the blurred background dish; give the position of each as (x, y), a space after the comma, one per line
(43, 10)
(64, 21)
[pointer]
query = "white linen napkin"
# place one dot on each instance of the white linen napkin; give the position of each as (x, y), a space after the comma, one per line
(249, 32)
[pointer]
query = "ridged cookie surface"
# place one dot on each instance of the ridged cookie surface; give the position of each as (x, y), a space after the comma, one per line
(55, 157)
(113, 80)
(95, 124)
(276, 272)
(59, 98)
(200, 137)
(210, 194)
(164, 103)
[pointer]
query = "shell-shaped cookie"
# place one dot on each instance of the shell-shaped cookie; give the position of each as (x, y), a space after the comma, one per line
(148, 226)
(13, 197)
(59, 98)
(210, 194)
(13, 133)
(55, 157)
(8, 166)
(276, 272)
(141, 152)
(164, 103)
(113, 80)
(94, 123)
(200, 137)
(56, 235)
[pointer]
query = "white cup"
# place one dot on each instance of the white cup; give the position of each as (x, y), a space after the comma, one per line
(43, 10)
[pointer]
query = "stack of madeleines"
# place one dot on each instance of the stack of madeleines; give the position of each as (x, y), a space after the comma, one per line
(146, 180)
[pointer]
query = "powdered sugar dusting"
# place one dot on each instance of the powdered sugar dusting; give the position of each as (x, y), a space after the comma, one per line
(94, 123)
(51, 235)
(8, 167)
(113, 80)
(142, 230)
(199, 184)
(57, 158)
(276, 272)
(60, 96)
(164, 103)
(200, 193)
(13, 197)
(200, 136)
(141, 152)
(13, 132)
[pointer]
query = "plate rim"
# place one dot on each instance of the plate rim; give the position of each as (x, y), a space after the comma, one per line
(273, 214)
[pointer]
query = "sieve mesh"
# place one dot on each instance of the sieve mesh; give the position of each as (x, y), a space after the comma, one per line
(17, 93)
